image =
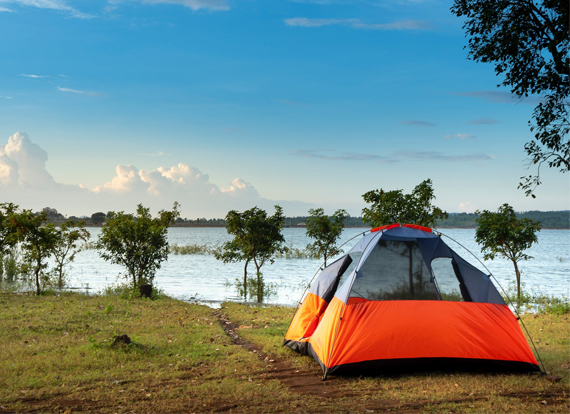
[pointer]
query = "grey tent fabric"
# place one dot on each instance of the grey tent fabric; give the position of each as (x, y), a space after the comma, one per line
(327, 282)
(472, 284)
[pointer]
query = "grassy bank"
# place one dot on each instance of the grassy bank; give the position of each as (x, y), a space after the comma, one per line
(57, 353)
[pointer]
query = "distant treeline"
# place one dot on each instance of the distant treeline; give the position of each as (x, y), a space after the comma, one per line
(548, 220)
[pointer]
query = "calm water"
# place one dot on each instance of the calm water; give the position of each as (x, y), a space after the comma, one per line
(204, 278)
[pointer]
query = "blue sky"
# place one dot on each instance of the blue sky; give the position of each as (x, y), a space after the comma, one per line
(303, 103)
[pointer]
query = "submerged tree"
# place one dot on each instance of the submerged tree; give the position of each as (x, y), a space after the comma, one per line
(326, 232)
(387, 207)
(66, 247)
(504, 234)
(257, 238)
(137, 241)
(527, 41)
(38, 243)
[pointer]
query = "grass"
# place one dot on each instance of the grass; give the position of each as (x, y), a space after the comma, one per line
(57, 354)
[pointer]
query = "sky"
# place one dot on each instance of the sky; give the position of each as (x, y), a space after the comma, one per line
(230, 104)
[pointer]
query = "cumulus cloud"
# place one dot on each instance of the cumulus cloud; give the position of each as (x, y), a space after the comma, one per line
(418, 123)
(240, 188)
(220, 5)
(24, 163)
(51, 5)
(460, 136)
(24, 180)
(358, 24)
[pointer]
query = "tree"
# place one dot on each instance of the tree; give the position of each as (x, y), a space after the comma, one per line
(501, 233)
(138, 242)
(527, 41)
(53, 214)
(394, 206)
(66, 246)
(99, 218)
(8, 227)
(39, 240)
(326, 231)
(257, 238)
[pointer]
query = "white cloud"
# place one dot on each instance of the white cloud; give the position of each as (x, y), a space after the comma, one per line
(461, 136)
(4, 9)
(191, 4)
(34, 76)
(51, 5)
(24, 180)
(358, 24)
(467, 207)
(240, 188)
(24, 163)
(77, 92)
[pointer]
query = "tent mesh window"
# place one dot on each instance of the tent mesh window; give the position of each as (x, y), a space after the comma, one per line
(449, 280)
(395, 270)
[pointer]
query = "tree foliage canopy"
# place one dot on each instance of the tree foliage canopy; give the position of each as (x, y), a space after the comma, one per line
(326, 232)
(387, 207)
(137, 241)
(527, 41)
(502, 233)
(257, 238)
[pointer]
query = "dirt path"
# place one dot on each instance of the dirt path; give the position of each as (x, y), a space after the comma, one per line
(298, 380)
(309, 382)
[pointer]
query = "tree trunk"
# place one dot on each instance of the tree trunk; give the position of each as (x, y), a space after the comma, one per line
(518, 274)
(259, 285)
(245, 281)
(60, 280)
(37, 274)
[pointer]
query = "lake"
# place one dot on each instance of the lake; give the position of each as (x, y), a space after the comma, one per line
(203, 278)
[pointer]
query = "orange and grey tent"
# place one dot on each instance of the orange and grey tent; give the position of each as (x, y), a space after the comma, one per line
(402, 299)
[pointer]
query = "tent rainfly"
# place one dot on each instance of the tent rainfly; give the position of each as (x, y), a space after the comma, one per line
(401, 299)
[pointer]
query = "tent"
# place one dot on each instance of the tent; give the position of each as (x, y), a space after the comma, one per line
(402, 299)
